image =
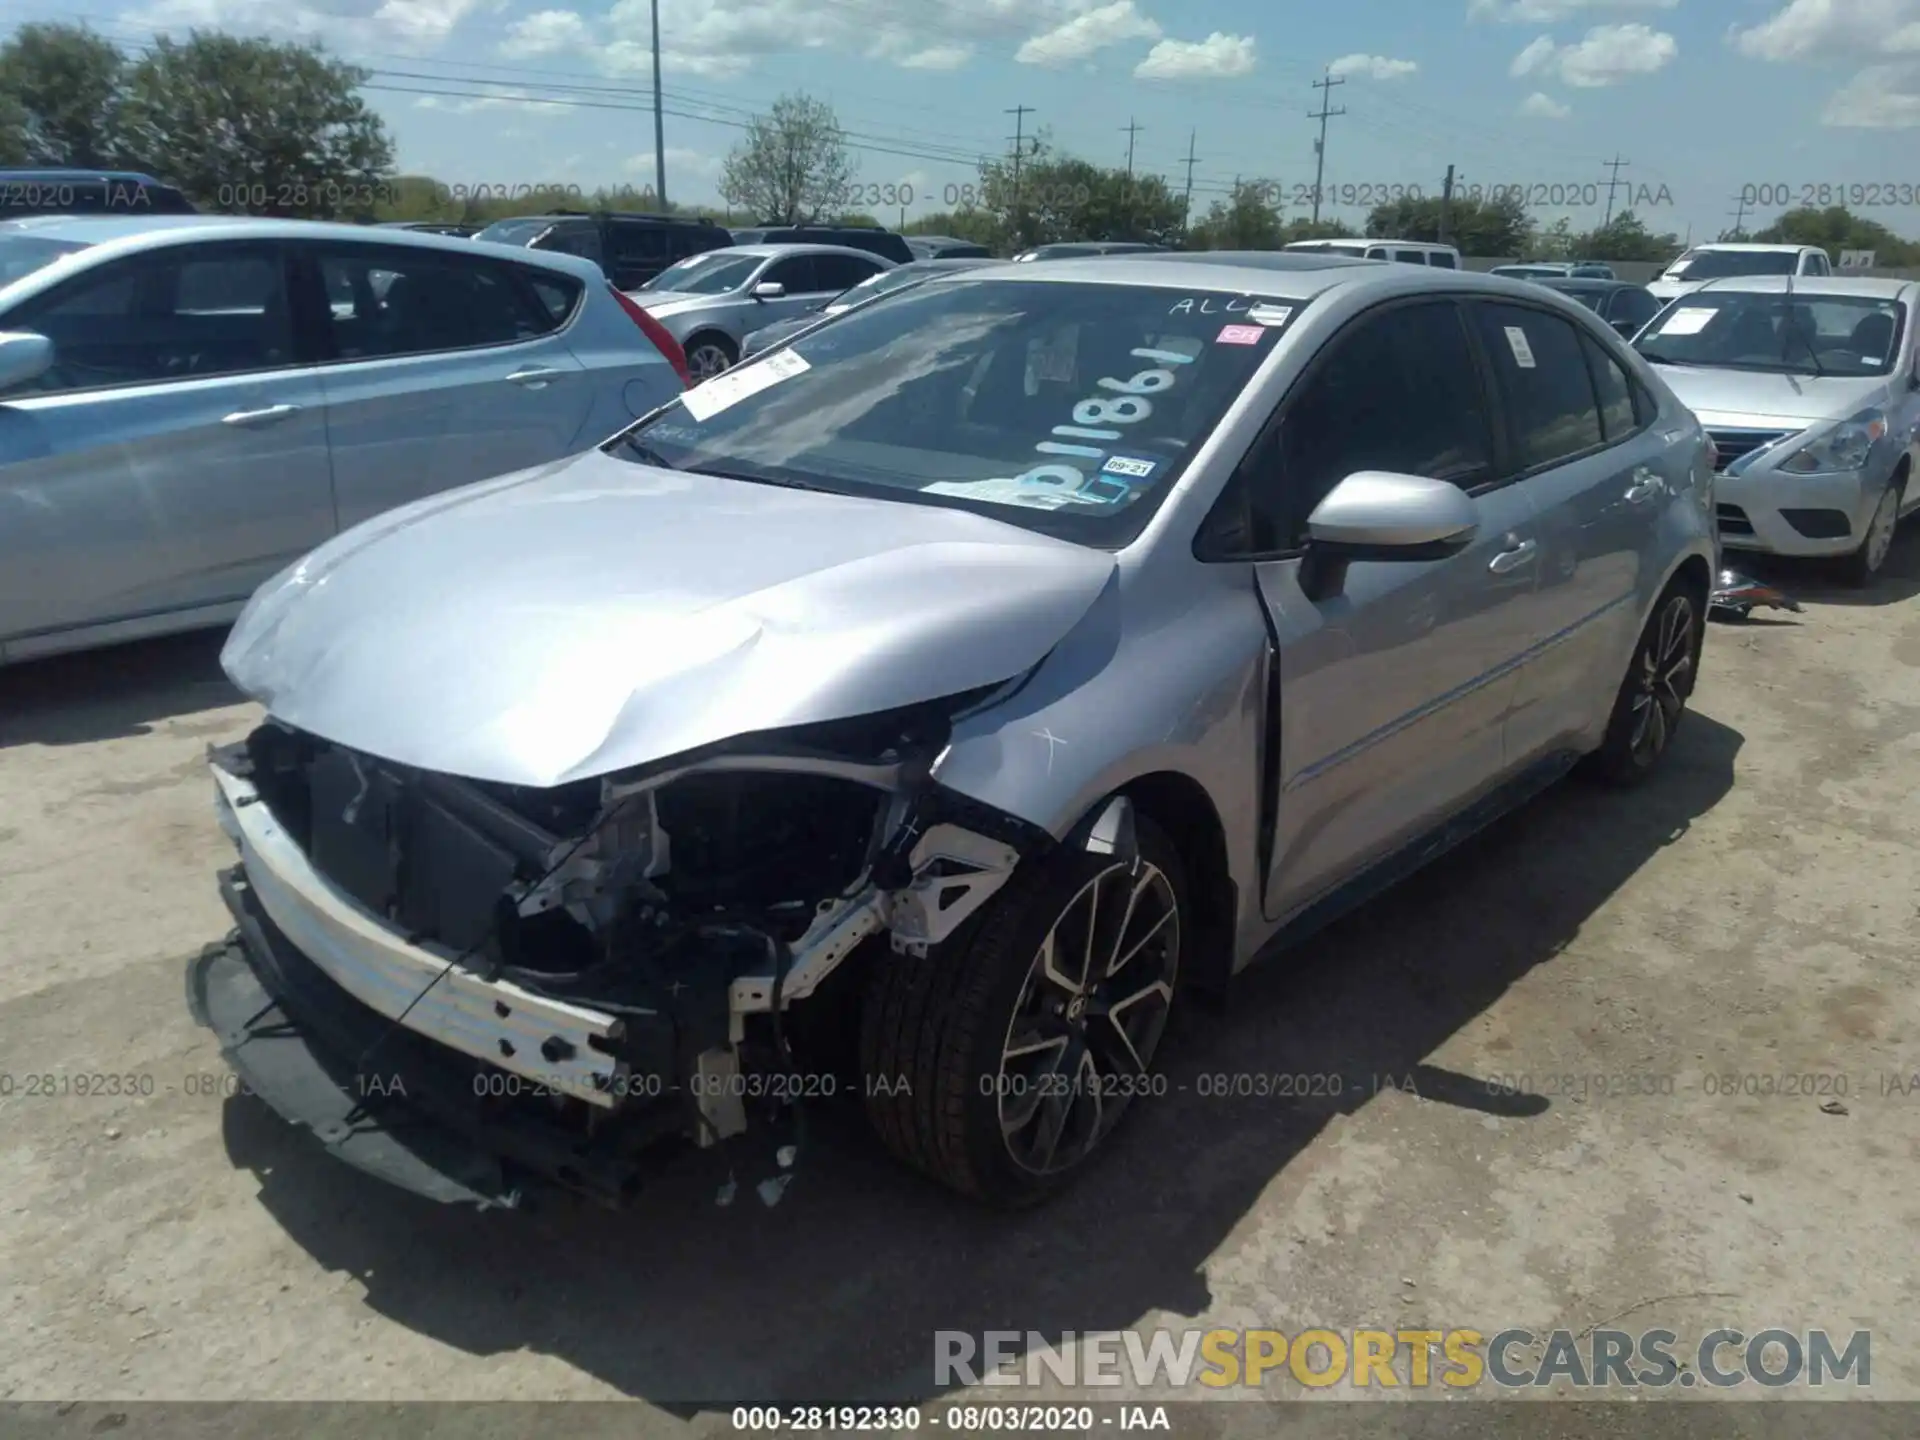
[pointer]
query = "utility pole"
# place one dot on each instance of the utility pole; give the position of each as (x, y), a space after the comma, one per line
(1740, 216)
(1320, 145)
(1019, 113)
(659, 124)
(1616, 165)
(1187, 200)
(1446, 209)
(1131, 131)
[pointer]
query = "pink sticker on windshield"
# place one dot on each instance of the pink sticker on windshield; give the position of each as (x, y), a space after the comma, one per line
(1240, 335)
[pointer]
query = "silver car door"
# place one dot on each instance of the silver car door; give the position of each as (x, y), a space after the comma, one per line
(1600, 480)
(1393, 691)
(443, 369)
(796, 273)
(172, 458)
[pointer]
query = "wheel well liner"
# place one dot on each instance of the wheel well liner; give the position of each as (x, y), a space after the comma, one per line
(1180, 807)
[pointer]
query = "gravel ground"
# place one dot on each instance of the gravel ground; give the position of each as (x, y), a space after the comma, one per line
(1752, 913)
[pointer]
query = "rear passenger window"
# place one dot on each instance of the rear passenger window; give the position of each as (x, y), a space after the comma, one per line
(1615, 390)
(842, 272)
(1410, 257)
(1442, 258)
(1550, 399)
(581, 240)
(555, 294)
(408, 302)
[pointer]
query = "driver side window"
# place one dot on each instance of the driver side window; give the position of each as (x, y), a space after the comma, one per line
(1398, 391)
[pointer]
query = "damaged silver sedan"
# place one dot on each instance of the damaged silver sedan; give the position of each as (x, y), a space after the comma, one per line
(984, 670)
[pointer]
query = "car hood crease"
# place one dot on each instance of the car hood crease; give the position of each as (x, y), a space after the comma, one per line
(1759, 397)
(601, 614)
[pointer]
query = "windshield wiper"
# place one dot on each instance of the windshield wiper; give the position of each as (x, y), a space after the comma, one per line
(783, 482)
(645, 453)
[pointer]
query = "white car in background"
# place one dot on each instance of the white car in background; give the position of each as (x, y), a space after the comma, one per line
(1810, 392)
(1730, 260)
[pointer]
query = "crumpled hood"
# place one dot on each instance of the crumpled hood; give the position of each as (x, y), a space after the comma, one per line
(1757, 398)
(596, 614)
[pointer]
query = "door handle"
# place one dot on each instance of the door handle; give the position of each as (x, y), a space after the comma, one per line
(534, 376)
(1645, 486)
(265, 416)
(1508, 561)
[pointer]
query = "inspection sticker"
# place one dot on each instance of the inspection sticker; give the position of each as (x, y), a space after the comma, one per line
(706, 400)
(1522, 351)
(1240, 335)
(1272, 316)
(1688, 320)
(1128, 466)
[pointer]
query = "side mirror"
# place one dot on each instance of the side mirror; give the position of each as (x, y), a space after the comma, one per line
(24, 355)
(1378, 515)
(769, 290)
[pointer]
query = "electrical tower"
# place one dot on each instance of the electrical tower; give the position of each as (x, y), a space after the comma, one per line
(1323, 114)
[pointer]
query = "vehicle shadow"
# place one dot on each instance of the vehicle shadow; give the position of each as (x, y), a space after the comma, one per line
(114, 692)
(834, 1294)
(1818, 581)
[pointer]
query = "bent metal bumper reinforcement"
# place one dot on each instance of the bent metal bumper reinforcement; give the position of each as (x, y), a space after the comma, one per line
(554, 1043)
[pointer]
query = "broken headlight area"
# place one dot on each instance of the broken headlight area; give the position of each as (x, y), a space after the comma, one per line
(617, 948)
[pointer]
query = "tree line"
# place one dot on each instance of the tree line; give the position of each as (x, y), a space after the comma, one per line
(255, 125)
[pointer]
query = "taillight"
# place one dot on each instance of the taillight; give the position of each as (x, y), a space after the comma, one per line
(656, 332)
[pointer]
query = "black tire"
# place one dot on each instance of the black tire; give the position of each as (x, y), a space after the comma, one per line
(718, 345)
(1863, 566)
(935, 1030)
(1653, 696)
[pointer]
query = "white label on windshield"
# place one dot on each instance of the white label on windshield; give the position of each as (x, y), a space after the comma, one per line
(706, 400)
(1688, 320)
(1522, 351)
(1126, 465)
(1272, 316)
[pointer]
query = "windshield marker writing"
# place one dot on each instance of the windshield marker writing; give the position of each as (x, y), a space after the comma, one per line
(1054, 447)
(1170, 357)
(1084, 433)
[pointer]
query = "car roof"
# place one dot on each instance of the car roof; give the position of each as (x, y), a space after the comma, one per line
(791, 247)
(944, 262)
(1750, 245)
(74, 172)
(1266, 259)
(125, 233)
(1578, 284)
(1232, 272)
(1872, 287)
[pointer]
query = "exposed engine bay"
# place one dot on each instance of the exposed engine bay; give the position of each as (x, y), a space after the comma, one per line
(621, 945)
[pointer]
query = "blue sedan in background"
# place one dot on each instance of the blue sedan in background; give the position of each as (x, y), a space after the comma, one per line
(190, 403)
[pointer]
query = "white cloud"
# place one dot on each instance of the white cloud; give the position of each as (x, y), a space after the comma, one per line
(1833, 30)
(1085, 34)
(1218, 57)
(1607, 55)
(1373, 67)
(937, 57)
(546, 32)
(1543, 106)
(413, 22)
(1879, 97)
(1550, 12)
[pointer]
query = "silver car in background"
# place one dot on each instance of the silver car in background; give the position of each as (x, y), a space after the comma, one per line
(1000, 661)
(187, 404)
(1810, 390)
(711, 303)
(915, 272)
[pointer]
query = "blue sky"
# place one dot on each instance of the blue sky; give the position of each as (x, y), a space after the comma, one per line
(1703, 99)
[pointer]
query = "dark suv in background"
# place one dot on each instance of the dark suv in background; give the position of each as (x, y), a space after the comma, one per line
(87, 192)
(870, 238)
(631, 249)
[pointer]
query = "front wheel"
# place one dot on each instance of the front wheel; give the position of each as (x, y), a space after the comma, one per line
(1861, 567)
(1001, 1069)
(708, 356)
(1653, 696)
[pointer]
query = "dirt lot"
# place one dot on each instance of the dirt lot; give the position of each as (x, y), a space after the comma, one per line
(1750, 914)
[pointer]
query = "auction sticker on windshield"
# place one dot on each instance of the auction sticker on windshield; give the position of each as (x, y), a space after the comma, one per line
(1688, 320)
(705, 401)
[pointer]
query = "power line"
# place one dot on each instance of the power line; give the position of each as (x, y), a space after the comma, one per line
(1615, 165)
(1325, 84)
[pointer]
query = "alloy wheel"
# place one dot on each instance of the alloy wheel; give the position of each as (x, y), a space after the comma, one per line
(706, 361)
(1886, 518)
(1089, 1017)
(1663, 674)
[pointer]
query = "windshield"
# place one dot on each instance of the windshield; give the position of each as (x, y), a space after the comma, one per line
(21, 255)
(513, 232)
(1719, 264)
(1852, 335)
(714, 273)
(1066, 408)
